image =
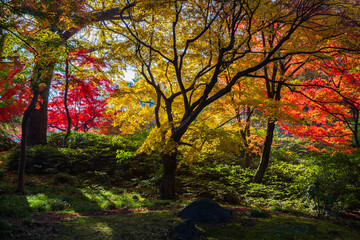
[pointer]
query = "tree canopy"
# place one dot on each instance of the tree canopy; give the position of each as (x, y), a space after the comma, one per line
(203, 71)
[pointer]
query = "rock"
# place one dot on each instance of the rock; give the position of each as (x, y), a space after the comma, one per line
(186, 231)
(205, 211)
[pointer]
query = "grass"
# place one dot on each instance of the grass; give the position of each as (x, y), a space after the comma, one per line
(25, 216)
(68, 199)
(143, 225)
(156, 225)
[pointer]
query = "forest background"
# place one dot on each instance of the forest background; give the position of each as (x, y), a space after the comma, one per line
(246, 102)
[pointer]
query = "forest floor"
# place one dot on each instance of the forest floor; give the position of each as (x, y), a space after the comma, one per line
(156, 223)
(81, 214)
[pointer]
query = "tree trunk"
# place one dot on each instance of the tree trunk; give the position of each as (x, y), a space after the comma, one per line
(36, 126)
(265, 157)
(68, 117)
(248, 159)
(2, 42)
(245, 133)
(167, 186)
(22, 162)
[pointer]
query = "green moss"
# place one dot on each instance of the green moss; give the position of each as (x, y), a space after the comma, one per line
(259, 213)
(156, 225)
(291, 227)
(146, 225)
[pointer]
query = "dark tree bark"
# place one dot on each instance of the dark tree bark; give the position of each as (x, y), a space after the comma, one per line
(2, 41)
(68, 128)
(36, 125)
(22, 162)
(265, 157)
(245, 133)
(355, 130)
(167, 186)
(248, 159)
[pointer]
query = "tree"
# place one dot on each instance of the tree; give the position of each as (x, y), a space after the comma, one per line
(10, 66)
(182, 52)
(86, 94)
(55, 24)
(276, 75)
(10, 90)
(61, 20)
(329, 105)
(237, 114)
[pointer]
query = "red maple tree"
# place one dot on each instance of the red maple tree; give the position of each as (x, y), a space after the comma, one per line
(86, 96)
(329, 106)
(12, 100)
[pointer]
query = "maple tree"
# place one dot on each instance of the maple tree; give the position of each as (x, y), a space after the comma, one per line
(11, 87)
(13, 94)
(10, 102)
(262, 93)
(328, 105)
(46, 26)
(42, 28)
(86, 100)
(181, 54)
(277, 76)
(235, 113)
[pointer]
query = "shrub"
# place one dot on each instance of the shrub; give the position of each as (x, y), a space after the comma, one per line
(39, 159)
(290, 180)
(101, 158)
(85, 140)
(335, 186)
(14, 206)
(222, 180)
(259, 213)
(58, 205)
(214, 178)
(62, 178)
(4, 225)
(55, 139)
(6, 143)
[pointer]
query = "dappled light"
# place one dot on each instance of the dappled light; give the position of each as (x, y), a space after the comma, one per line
(191, 119)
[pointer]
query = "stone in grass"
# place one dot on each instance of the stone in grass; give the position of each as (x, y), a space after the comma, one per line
(205, 211)
(186, 231)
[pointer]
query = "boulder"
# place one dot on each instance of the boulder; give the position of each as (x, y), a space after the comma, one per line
(205, 211)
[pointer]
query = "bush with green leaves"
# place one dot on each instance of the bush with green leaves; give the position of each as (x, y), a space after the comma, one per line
(109, 159)
(39, 159)
(62, 178)
(6, 143)
(335, 186)
(84, 140)
(290, 180)
(222, 180)
(259, 213)
(4, 225)
(215, 178)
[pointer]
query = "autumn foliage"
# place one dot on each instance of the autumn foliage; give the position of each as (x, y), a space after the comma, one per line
(12, 92)
(87, 96)
(328, 105)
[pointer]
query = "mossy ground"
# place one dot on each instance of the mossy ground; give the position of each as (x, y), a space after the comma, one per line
(156, 225)
(84, 210)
